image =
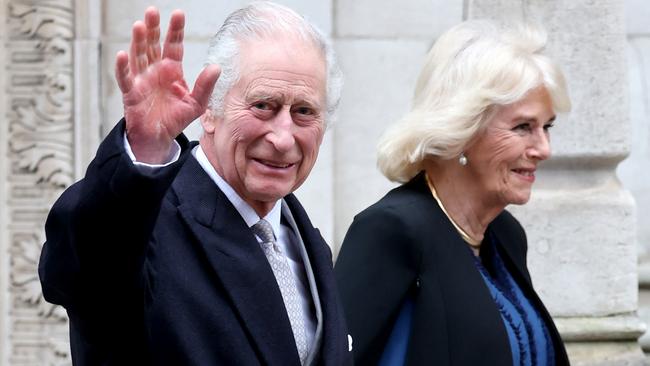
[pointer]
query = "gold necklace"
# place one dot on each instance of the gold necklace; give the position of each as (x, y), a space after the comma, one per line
(468, 239)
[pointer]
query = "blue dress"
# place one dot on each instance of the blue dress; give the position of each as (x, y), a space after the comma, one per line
(529, 339)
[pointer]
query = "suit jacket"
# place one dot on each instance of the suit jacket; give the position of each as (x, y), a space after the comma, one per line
(159, 268)
(404, 246)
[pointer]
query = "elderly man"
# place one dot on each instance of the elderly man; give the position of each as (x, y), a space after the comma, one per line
(173, 253)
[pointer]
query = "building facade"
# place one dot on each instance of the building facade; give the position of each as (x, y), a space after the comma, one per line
(587, 221)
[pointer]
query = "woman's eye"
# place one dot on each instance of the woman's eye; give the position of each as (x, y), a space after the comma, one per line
(522, 127)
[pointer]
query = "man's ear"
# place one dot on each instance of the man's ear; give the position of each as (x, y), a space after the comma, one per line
(208, 121)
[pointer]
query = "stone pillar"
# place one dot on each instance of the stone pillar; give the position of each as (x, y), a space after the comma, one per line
(49, 135)
(580, 221)
(38, 145)
(634, 172)
(4, 238)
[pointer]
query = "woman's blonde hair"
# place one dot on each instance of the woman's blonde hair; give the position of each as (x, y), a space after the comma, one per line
(471, 68)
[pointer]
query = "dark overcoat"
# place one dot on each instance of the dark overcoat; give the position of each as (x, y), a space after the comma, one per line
(159, 268)
(404, 246)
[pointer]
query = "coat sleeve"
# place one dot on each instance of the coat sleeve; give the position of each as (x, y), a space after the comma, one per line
(376, 270)
(97, 231)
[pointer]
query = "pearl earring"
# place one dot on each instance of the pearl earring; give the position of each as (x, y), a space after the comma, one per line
(462, 160)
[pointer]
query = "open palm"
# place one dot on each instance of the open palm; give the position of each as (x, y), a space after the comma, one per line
(158, 105)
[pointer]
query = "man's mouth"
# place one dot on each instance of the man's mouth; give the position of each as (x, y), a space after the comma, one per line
(274, 164)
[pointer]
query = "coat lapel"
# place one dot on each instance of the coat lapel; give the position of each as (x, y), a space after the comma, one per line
(334, 338)
(470, 311)
(237, 263)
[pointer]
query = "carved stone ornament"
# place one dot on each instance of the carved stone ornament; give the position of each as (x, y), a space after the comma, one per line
(40, 95)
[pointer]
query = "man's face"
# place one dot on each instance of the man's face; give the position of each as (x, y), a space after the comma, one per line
(267, 140)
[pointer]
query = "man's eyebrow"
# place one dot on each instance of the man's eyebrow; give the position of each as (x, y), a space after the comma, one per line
(260, 96)
(265, 96)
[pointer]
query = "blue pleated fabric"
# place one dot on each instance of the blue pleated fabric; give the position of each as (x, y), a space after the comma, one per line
(529, 339)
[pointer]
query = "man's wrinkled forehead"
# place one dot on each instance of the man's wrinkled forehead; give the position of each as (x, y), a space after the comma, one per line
(265, 90)
(287, 61)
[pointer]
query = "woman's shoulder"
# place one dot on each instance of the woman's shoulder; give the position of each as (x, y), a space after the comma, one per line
(390, 229)
(404, 200)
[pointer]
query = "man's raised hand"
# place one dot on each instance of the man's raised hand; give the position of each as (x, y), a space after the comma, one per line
(157, 102)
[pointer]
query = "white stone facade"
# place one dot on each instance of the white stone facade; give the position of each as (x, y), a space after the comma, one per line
(634, 170)
(58, 97)
(38, 152)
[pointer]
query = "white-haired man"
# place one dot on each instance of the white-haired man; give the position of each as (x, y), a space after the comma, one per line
(173, 253)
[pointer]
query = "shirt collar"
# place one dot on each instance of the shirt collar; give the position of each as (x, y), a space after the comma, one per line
(245, 210)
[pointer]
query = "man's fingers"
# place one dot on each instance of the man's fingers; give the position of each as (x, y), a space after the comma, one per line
(152, 21)
(173, 47)
(205, 84)
(138, 54)
(122, 75)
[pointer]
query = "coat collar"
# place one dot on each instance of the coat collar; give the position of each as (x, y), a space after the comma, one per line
(509, 238)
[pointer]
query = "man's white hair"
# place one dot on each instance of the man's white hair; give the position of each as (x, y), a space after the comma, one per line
(472, 68)
(260, 20)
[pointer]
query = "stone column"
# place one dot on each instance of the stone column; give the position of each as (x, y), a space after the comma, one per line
(580, 221)
(4, 238)
(49, 135)
(37, 139)
(634, 172)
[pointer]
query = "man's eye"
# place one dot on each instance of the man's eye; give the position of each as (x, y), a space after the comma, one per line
(304, 111)
(548, 126)
(262, 106)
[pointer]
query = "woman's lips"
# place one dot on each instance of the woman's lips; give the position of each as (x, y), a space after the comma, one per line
(525, 174)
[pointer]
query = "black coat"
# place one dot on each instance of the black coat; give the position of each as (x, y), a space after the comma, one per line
(404, 245)
(161, 269)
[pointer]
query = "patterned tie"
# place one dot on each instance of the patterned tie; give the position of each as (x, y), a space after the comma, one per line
(286, 282)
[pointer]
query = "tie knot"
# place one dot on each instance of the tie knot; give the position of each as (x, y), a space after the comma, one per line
(264, 230)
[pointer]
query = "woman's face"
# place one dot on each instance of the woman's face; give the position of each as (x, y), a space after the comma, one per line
(503, 159)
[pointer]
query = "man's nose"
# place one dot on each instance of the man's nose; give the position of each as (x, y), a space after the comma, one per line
(281, 135)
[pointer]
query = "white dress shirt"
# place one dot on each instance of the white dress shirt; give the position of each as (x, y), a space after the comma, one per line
(286, 239)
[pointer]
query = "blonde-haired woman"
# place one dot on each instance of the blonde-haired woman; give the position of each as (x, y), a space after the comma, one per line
(435, 272)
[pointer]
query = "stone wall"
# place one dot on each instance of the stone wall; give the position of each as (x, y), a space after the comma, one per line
(381, 53)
